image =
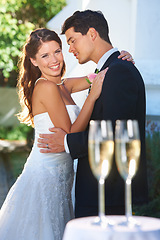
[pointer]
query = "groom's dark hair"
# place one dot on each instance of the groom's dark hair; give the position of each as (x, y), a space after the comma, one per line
(82, 21)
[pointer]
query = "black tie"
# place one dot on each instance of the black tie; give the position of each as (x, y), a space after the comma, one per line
(96, 70)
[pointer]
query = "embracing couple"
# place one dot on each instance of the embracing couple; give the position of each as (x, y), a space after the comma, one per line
(39, 204)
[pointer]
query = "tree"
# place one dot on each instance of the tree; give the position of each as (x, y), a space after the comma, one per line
(17, 19)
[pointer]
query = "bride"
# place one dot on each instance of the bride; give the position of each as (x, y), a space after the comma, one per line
(39, 204)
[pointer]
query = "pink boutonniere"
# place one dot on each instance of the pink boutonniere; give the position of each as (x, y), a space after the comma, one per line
(91, 77)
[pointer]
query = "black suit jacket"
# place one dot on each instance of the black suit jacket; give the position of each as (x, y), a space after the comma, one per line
(122, 97)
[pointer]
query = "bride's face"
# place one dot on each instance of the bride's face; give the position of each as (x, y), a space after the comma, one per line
(49, 59)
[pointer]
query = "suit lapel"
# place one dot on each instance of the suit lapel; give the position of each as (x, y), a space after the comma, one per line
(97, 111)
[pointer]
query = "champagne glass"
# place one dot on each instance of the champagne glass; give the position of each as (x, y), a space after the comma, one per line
(127, 153)
(101, 148)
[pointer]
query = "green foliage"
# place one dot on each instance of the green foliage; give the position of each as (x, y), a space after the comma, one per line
(17, 19)
(20, 132)
(153, 163)
(18, 160)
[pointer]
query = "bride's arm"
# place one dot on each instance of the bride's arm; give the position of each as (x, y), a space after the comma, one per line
(77, 84)
(54, 105)
(84, 116)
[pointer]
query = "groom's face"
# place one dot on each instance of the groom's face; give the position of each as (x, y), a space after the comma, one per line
(80, 45)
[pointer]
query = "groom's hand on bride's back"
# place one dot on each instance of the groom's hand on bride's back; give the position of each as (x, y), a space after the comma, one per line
(52, 143)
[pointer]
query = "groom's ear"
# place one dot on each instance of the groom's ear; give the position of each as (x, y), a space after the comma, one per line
(93, 33)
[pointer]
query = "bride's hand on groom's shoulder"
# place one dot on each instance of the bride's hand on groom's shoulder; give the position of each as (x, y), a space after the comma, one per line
(52, 143)
(97, 83)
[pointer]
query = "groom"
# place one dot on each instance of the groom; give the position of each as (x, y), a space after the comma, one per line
(122, 97)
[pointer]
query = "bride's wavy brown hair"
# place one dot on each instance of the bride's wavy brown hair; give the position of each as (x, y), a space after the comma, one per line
(28, 73)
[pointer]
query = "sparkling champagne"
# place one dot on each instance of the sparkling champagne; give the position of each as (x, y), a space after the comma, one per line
(100, 157)
(127, 157)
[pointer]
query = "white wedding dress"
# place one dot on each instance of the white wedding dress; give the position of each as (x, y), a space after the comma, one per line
(39, 204)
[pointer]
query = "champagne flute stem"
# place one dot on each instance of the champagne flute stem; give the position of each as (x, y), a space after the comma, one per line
(101, 199)
(128, 199)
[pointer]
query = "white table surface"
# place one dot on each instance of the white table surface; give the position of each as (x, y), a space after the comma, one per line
(83, 229)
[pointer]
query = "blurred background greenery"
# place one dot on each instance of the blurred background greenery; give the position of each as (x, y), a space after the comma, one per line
(153, 166)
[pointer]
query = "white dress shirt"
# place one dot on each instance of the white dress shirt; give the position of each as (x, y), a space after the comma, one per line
(100, 64)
